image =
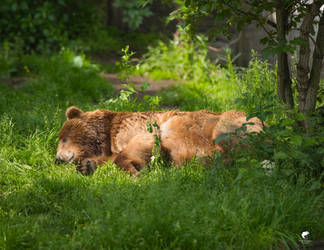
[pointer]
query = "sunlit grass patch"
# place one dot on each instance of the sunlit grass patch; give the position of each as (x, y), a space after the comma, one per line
(192, 207)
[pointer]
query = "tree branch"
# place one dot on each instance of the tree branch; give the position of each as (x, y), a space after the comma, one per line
(255, 16)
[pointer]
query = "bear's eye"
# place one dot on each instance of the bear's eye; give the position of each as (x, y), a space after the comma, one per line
(64, 140)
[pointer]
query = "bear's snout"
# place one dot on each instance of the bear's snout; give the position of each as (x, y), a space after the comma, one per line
(64, 157)
(58, 160)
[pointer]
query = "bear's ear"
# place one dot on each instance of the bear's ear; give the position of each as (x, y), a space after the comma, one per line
(73, 112)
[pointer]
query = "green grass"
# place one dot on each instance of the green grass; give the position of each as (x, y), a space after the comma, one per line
(55, 208)
(45, 206)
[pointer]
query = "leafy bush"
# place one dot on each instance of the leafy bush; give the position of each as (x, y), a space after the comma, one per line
(283, 149)
(101, 41)
(297, 153)
(43, 26)
(133, 12)
(256, 91)
(229, 88)
(10, 63)
(182, 59)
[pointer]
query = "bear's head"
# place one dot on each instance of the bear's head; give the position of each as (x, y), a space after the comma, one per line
(79, 137)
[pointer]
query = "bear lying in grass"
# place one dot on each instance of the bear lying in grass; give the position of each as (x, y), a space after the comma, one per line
(90, 139)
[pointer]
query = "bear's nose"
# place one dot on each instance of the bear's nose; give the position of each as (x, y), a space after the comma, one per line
(58, 160)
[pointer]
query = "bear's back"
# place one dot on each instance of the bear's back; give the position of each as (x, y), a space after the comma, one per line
(126, 126)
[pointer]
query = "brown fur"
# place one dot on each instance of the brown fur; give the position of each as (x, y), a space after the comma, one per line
(89, 139)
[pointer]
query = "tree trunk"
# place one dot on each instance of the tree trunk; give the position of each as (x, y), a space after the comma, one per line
(305, 93)
(284, 80)
(107, 11)
(317, 67)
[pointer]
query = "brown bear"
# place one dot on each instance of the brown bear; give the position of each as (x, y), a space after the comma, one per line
(90, 139)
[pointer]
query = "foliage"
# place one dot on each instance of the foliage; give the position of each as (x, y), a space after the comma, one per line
(10, 61)
(44, 26)
(104, 41)
(158, 158)
(296, 152)
(125, 100)
(133, 12)
(287, 150)
(209, 86)
(256, 90)
(237, 13)
(183, 58)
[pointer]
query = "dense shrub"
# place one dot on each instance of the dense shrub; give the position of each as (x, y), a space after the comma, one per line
(133, 12)
(183, 58)
(42, 25)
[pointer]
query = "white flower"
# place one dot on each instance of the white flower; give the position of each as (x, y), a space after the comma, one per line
(268, 166)
(305, 235)
(78, 61)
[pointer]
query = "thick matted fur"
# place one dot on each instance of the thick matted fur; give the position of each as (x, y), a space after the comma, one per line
(89, 139)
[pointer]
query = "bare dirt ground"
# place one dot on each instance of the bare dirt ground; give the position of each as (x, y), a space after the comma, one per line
(155, 86)
(15, 82)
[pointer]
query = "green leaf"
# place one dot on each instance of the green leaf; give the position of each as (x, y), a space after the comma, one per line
(243, 128)
(301, 117)
(315, 186)
(144, 86)
(45, 32)
(299, 155)
(130, 86)
(52, 17)
(287, 121)
(296, 140)
(280, 156)
(31, 39)
(14, 7)
(24, 5)
(288, 172)
(221, 137)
